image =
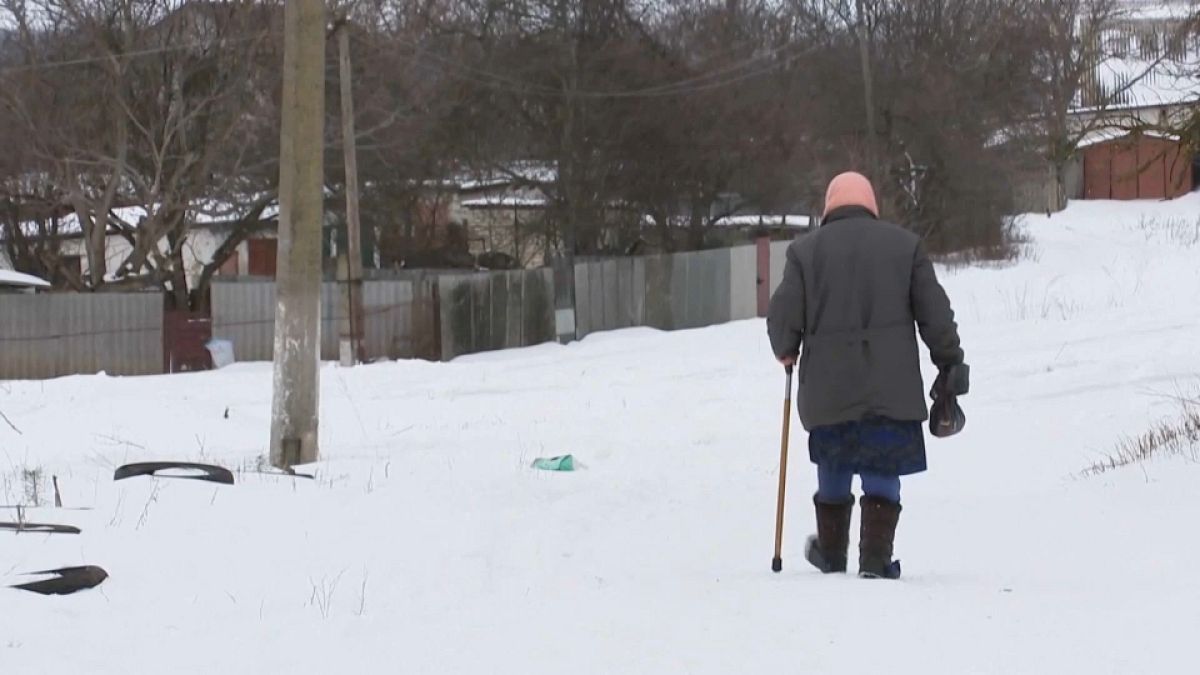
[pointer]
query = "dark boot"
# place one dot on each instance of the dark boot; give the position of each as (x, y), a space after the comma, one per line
(827, 549)
(879, 518)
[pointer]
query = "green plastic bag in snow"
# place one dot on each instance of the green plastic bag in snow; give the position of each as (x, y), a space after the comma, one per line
(563, 463)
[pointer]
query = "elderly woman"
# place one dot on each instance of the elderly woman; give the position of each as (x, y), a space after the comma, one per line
(851, 295)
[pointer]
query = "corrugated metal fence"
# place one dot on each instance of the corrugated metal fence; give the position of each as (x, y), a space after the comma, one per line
(432, 315)
(244, 313)
(51, 335)
(476, 312)
(669, 292)
(498, 310)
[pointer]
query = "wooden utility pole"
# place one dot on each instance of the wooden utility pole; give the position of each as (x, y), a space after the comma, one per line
(566, 321)
(301, 209)
(352, 343)
(864, 53)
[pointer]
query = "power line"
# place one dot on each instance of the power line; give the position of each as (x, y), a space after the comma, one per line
(684, 87)
(716, 79)
(137, 53)
(669, 88)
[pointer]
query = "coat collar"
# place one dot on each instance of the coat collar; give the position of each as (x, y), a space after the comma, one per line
(848, 212)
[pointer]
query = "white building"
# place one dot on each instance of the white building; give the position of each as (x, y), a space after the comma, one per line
(255, 256)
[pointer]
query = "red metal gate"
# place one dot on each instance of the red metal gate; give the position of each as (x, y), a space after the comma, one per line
(1136, 168)
(185, 339)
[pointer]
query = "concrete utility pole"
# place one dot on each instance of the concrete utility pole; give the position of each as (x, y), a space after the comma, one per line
(301, 209)
(352, 343)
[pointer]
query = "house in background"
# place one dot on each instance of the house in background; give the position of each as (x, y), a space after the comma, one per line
(1120, 125)
(504, 217)
(495, 216)
(1151, 84)
(512, 224)
(256, 256)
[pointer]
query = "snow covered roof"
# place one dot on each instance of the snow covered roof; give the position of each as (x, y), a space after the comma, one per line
(1156, 9)
(12, 278)
(505, 201)
(739, 221)
(516, 172)
(763, 221)
(1134, 82)
(1109, 134)
(1143, 69)
(207, 212)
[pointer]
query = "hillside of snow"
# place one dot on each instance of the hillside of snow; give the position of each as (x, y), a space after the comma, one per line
(427, 543)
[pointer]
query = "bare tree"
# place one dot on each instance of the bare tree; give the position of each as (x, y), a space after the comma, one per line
(945, 77)
(675, 112)
(154, 104)
(37, 101)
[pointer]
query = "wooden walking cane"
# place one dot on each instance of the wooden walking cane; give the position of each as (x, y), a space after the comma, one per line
(777, 562)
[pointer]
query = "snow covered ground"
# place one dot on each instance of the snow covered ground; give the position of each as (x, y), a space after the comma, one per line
(428, 545)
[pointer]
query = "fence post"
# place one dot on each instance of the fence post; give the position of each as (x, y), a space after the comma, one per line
(564, 299)
(435, 313)
(763, 243)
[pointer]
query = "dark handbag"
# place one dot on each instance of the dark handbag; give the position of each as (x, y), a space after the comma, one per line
(946, 417)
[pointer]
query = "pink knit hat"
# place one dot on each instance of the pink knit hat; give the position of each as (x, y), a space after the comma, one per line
(850, 189)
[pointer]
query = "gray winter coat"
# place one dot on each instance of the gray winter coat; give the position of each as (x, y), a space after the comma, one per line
(851, 294)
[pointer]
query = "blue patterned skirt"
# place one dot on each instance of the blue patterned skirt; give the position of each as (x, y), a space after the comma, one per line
(872, 445)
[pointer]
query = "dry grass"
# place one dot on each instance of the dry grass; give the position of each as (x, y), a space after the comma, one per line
(31, 479)
(23, 486)
(1015, 246)
(1019, 306)
(323, 592)
(1178, 231)
(1178, 437)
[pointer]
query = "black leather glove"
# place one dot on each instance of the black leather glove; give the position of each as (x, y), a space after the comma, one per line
(952, 381)
(946, 418)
